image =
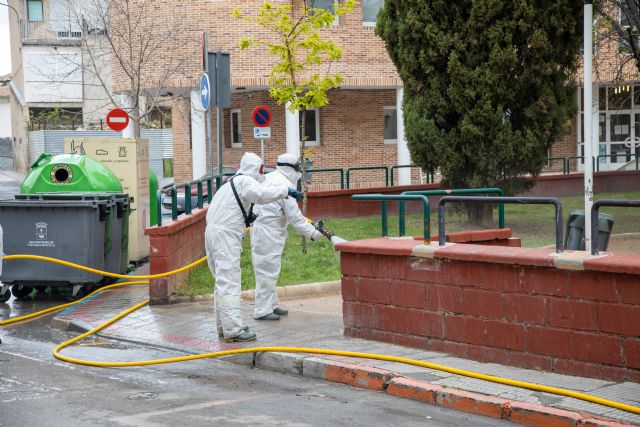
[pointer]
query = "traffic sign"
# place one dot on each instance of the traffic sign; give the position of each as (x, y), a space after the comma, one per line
(261, 116)
(117, 119)
(262, 133)
(205, 91)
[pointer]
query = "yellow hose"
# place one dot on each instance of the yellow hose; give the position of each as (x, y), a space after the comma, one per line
(428, 365)
(69, 304)
(105, 273)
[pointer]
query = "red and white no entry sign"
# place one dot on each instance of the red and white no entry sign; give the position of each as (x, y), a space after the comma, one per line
(117, 119)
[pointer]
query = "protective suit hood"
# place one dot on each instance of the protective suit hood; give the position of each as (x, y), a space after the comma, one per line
(250, 166)
(290, 173)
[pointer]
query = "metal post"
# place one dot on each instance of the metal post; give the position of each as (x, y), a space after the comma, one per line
(262, 149)
(219, 117)
(383, 218)
(588, 109)
(208, 112)
(401, 221)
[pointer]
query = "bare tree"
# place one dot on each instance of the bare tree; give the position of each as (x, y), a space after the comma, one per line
(617, 39)
(127, 35)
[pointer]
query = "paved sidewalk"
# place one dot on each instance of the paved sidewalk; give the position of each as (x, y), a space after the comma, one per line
(317, 322)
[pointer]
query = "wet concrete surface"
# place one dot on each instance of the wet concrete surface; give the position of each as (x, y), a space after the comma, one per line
(36, 389)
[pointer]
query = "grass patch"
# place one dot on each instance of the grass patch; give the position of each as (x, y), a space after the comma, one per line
(535, 224)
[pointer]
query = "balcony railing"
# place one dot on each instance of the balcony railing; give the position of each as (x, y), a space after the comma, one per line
(50, 30)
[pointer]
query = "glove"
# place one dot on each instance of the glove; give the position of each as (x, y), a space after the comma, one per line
(295, 194)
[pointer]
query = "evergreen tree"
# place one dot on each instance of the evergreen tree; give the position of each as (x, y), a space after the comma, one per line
(489, 84)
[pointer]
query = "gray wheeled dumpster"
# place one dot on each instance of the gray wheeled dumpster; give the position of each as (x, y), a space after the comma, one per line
(72, 230)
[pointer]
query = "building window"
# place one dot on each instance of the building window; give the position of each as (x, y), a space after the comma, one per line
(390, 125)
(370, 9)
(311, 127)
(618, 126)
(34, 10)
(325, 5)
(630, 33)
(236, 129)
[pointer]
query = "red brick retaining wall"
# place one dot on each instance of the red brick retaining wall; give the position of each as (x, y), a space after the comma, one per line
(173, 246)
(516, 306)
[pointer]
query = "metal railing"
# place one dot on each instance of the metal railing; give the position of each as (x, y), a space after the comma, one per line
(173, 190)
(329, 170)
(606, 156)
(565, 164)
(458, 191)
(511, 200)
(426, 214)
(594, 214)
(359, 168)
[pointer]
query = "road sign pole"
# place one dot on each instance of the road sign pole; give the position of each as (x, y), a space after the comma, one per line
(219, 106)
(208, 111)
(262, 149)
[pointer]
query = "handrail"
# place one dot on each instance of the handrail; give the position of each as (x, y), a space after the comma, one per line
(569, 158)
(492, 190)
(399, 167)
(330, 170)
(565, 163)
(594, 214)
(386, 172)
(426, 214)
(172, 189)
(604, 156)
(512, 200)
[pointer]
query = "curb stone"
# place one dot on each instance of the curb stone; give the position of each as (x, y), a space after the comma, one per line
(395, 384)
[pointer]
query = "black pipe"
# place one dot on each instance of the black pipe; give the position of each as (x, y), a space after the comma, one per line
(594, 217)
(510, 200)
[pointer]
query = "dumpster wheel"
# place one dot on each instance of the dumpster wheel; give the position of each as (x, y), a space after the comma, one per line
(284, 349)
(21, 291)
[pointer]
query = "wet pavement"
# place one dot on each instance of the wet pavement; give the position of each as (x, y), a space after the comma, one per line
(312, 322)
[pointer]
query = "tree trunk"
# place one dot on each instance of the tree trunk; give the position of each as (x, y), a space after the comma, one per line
(305, 187)
(480, 214)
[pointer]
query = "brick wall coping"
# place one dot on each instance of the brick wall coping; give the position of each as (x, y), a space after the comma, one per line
(372, 190)
(542, 257)
(181, 223)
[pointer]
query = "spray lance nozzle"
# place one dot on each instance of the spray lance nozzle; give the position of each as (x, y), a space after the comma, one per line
(319, 225)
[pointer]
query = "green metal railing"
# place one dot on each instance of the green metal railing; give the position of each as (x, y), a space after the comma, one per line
(458, 191)
(606, 156)
(172, 190)
(319, 170)
(426, 214)
(565, 163)
(360, 168)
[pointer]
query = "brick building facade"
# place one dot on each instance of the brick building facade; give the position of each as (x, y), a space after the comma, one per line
(350, 130)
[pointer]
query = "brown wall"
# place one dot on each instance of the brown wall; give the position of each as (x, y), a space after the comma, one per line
(365, 61)
(173, 246)
(504, 305)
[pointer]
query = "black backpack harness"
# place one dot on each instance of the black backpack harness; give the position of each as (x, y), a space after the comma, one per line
(251, 217)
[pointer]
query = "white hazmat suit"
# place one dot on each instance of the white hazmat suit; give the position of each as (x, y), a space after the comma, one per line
(269, 233)
(223, 238)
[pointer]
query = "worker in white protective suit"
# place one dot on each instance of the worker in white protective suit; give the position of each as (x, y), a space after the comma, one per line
(268, 236)
(229, 215)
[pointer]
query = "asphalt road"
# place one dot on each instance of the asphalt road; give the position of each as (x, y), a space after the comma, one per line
(36, 389)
